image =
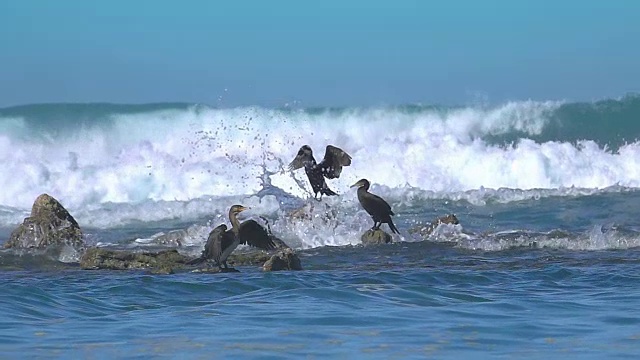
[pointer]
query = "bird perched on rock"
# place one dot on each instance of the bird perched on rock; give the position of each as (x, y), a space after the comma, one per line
(379, 209)
(330, 167)
(222, 242)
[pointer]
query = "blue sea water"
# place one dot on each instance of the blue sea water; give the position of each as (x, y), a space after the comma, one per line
(544, 262)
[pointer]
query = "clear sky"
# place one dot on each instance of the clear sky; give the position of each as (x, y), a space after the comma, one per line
(329, 52)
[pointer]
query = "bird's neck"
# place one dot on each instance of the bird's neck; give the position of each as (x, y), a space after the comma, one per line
(235, 224)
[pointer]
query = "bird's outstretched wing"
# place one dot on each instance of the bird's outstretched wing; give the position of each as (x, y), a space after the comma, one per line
(304, 155)
(334, 159)
(253, 234)
(213, 247)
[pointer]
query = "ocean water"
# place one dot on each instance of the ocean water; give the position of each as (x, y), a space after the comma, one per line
(544, 263)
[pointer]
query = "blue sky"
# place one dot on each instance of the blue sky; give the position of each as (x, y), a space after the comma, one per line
(320, 53)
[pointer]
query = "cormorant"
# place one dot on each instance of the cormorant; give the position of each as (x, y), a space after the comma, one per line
(330, 167)
(222, 242)
(379, 209)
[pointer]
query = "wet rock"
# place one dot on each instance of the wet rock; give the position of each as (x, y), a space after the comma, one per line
(285, 259)
(162, 270)
(49, 224)
(426, 230)
(169, 261)
(375, 237)
(159, 262)
(248, 257)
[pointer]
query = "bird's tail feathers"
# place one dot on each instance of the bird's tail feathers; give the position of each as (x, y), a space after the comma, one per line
(393, 227)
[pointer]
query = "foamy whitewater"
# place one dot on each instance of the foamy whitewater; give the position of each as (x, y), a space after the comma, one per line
(543, 264)
(176, 160)
(113, 165)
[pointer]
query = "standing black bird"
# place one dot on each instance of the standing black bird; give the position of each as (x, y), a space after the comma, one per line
(330, 167)
(379, 209)
(222, 242)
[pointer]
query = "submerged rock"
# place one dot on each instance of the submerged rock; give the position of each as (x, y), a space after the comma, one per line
(176, 237)
(310, 211)
(426, 230)
(163, 262)
(172, 238)
(375, 237)
(285, 259)
(49, 224)
(215, 270)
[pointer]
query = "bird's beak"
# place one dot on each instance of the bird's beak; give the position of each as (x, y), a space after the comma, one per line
(355, 185)
(245, 208)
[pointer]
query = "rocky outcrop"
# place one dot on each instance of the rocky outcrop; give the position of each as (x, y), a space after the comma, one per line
(285, 259)
(375, 237)
(169, 261)
(51, 227)
(49, 224)
(163, 262)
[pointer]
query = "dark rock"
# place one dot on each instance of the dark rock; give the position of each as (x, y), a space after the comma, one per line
(426, 230)
(161, 262)
(248, 257)
(49, 224)
(285, 259)
(375, 237)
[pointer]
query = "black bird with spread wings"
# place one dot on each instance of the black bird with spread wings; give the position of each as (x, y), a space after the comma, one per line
(222, 242)
(330, 167)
